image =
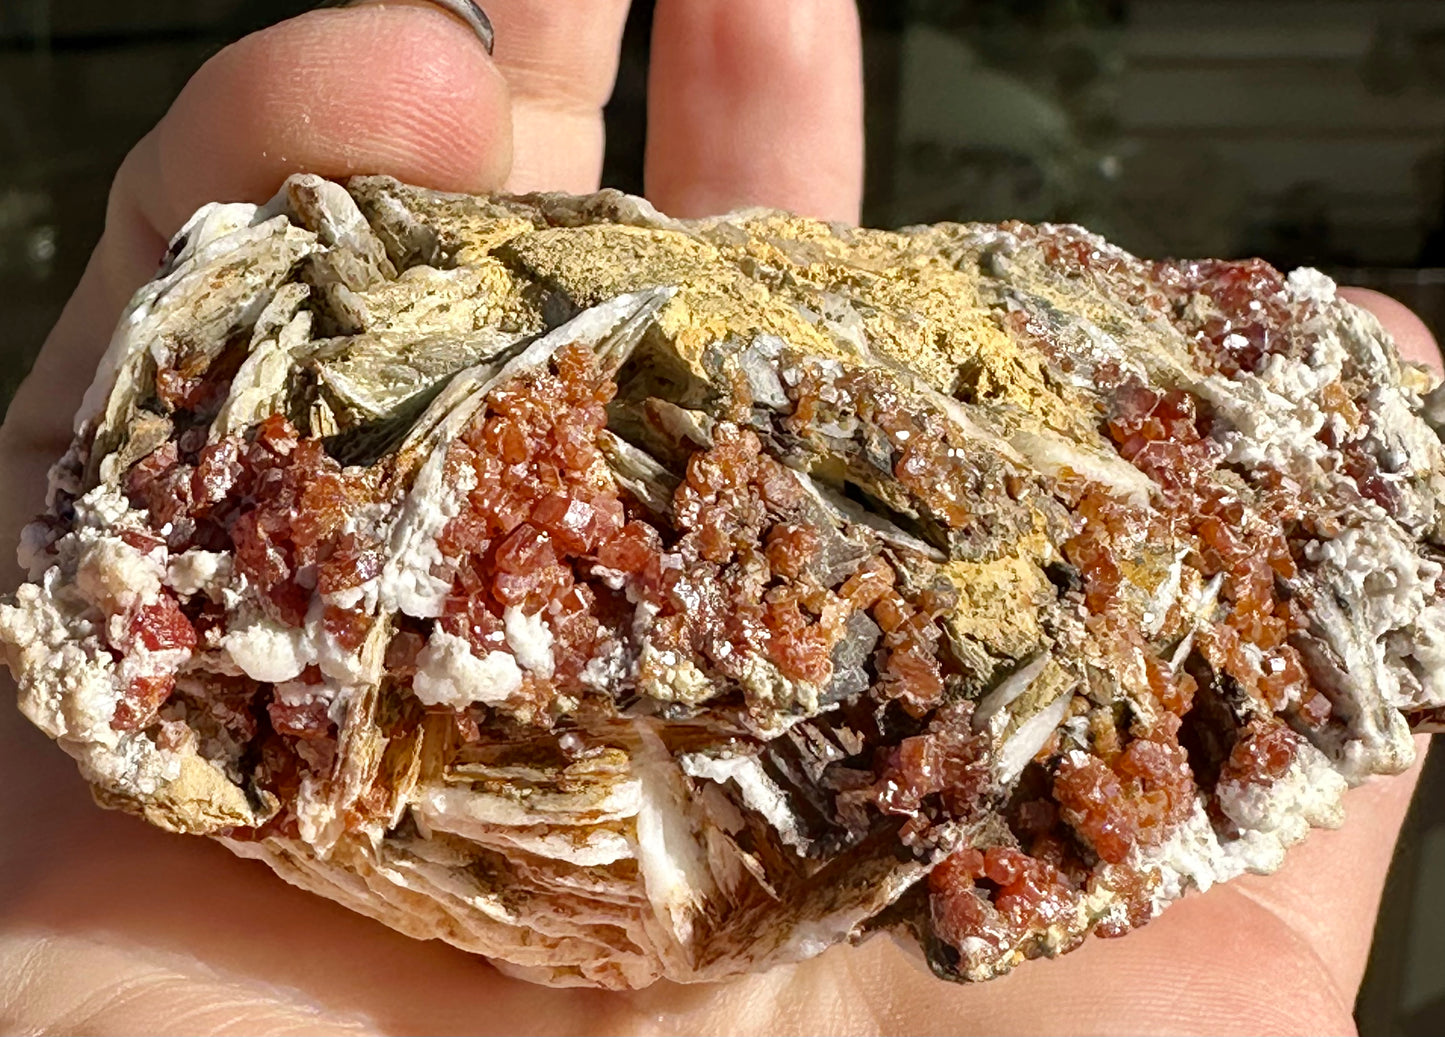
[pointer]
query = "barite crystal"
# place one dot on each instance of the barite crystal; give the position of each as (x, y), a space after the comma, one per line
(626, 598)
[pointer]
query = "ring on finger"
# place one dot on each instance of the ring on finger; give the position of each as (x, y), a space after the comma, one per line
(469, 12)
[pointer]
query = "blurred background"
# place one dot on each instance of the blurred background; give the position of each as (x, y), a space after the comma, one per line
(1304, 131)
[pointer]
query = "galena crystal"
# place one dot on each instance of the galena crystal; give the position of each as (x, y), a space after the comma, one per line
(622, 597)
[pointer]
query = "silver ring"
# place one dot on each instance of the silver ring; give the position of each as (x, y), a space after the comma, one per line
(466, 10)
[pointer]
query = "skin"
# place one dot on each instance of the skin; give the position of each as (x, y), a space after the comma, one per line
(107, 925)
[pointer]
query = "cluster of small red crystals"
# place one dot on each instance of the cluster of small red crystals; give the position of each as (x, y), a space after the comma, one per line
(1100, 549)
(281, 503)
(746, 584)
(908, 666)
(1250, 315)
(300, 501)
(1245, 543)
(1135, 799)
(545, 530)
(542, 511)
(1158, 431)
(743, 585)
(307, 720)
(1028, 895)
(161, 485)
(1132, 791)
(1077, 253)
(1110, 533)
(285, 509)
(1032, 894)
(157, 626)
(1263, 753)
(1235, 313)
(948, 761)
(1136, 785)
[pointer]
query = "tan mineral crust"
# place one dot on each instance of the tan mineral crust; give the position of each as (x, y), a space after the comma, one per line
(626, 598)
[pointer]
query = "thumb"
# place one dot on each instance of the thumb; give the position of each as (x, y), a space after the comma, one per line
(395, 88)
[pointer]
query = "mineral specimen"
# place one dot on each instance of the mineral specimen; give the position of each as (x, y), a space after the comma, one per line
(622, 597)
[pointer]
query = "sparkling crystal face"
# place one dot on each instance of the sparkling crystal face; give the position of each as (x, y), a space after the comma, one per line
(625, 598)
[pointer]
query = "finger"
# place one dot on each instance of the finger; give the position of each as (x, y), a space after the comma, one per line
(400, 88)
(390, 88)
(560, 60)
(1410, 333)
(1210, 964)
(1329, 888)
(754, 102)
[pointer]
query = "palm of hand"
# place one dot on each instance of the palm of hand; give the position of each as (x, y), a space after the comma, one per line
(110, 926)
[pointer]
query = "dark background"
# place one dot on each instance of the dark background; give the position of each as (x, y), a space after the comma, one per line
(1305, 131)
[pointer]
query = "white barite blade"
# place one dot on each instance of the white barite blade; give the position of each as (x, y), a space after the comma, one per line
(371, 376)
(641, 473)
(217, 287)
(261, 386)
(610, 329)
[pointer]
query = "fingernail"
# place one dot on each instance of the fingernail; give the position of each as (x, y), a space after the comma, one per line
(471, 13)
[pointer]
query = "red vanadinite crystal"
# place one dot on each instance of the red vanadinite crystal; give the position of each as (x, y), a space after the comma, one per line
(308, 720)
(161, 485)
(160, 626)
(142, 699)
(1159, 432)
(1031, 893)
(544, 509)
(949, 761)
(797, 646)
(217, 470)
(348, 627)
(157, 626)
(959, 910)
(1252, 314)
(1263, 753)
(529, 572)
(1028, 894)
(790, 548)
(352, 560)
(632, 550)
(1138, 798)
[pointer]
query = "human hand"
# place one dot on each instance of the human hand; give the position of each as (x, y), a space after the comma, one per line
(110, 926)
